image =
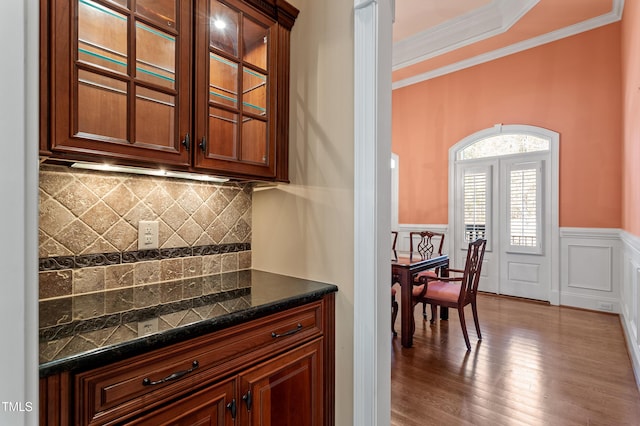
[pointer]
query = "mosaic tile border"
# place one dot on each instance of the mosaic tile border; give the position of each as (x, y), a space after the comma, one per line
(104, 259)
(82, 326)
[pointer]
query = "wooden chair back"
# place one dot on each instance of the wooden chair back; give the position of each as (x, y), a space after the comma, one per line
(426, 243)
(472, 269)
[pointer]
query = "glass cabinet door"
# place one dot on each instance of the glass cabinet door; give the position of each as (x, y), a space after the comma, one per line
(233, 125)
(129, 85)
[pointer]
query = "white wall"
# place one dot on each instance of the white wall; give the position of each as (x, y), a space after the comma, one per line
(306, 228)
(18, 215)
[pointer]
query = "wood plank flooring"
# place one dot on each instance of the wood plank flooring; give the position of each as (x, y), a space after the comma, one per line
(536, 365)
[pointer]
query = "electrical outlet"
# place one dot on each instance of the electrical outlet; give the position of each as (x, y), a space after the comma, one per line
(605, 306)
(147, 235)
(147, 327)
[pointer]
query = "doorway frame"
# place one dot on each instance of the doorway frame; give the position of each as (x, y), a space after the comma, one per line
(554, 152)
(372, 201)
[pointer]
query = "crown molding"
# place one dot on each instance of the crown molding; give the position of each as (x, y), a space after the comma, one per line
(479, 24)
(590, 24)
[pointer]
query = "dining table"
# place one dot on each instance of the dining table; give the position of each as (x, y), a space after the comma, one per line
(404, 266)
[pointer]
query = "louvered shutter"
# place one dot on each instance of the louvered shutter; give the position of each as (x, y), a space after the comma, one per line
(476, 204)
(525, 203)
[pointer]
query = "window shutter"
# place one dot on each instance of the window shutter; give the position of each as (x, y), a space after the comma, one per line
(525, 207)
(475, 205)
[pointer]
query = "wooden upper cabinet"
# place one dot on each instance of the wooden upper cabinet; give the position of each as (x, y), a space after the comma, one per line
(120, 79)
(124, 83)
(235, 98)
(242, 87)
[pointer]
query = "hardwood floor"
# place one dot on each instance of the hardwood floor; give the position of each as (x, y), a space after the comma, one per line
(536, 365)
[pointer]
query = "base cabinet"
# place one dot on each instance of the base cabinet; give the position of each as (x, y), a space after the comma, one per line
(283, 391)
(277, 370)
(206, 407)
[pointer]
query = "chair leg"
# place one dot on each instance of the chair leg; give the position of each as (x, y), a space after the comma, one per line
(474, 308)
(464, 327)
(424, 311)
(434, 312)
(394, 315)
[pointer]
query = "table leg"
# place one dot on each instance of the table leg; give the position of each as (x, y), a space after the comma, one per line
(405, 308)
(444, 312)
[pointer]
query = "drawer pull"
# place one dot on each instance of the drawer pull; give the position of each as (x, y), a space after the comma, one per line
(232, 407)
(287, 333)
(248, 400)
(173, 376)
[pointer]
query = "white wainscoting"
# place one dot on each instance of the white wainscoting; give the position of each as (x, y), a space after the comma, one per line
(590, 268)
(629, 296)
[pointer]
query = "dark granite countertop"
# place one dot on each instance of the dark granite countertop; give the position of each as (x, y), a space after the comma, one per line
(92, 342)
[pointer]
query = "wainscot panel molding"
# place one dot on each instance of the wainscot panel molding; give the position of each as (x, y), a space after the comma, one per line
(590, 266)
(629, 297)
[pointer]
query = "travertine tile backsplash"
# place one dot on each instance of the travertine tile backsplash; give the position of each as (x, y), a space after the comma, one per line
(89, 230)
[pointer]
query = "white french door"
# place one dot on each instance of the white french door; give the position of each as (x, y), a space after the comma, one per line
(525, 269)
(475, 206)
(507, 200)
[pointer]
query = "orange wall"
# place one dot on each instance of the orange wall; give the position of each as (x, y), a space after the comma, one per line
(571, 86)
(631, 117)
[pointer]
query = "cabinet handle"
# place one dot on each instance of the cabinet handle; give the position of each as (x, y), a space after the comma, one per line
(173, 376)
(203, 144)
(287, 333)
(247, 399)
(186, 142)
(232, 407)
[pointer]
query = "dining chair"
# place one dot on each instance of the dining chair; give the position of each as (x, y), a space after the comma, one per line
(455, 292)
(426, 244)
(394, 302)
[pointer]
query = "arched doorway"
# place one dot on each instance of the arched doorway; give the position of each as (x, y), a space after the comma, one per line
(503, 186)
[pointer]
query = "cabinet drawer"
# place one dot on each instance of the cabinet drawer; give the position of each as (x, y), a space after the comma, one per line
(109, 394)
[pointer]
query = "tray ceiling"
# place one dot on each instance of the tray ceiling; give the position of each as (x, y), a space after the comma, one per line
(435, 37)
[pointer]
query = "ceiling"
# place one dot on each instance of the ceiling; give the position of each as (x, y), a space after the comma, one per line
(436, 37)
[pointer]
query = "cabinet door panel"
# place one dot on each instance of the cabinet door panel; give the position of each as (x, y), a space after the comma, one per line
(161, 12)
(223, 127)
(155, 56)
(207, 407)
(102, 36)
(254, 133)
(101, 107)
(155, 107)
(255, 38)
(286, 391)
(223, 81)
(121, 80)
(235, 91)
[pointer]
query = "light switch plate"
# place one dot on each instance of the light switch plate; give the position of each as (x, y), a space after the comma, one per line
(147, 234)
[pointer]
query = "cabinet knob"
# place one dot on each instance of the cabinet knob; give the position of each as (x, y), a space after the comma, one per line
(186, 142)
(203, 144)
